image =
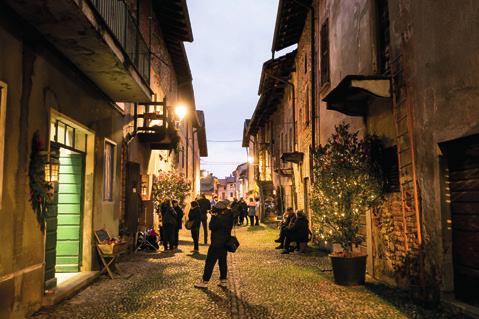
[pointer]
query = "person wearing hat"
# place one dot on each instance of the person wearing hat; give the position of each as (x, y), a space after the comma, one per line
(221, 224)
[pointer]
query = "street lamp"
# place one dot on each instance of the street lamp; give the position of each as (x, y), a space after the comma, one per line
(251, 159)
(180, 111)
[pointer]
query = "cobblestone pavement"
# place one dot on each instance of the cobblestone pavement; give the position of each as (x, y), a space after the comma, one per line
(262, 284)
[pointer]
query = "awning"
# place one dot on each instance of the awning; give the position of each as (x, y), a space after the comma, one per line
(290, 22)
(293, 157)
(175, 25)
(285, 172)
(274, 77)
(355, 92)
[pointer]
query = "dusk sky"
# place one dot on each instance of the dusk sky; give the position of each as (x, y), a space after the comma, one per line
(232, 39)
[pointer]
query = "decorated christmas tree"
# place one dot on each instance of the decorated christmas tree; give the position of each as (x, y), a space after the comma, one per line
(347, 182)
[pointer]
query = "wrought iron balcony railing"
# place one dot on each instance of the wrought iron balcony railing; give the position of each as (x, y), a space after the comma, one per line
(118, 18)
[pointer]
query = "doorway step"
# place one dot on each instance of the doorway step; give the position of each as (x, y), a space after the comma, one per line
(70, 287)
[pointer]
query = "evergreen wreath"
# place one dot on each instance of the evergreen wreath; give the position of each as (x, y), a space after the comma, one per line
(39, 194)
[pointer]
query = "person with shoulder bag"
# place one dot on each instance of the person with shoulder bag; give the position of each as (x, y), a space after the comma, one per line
(170, 223)
(193, 224)
(221, 225)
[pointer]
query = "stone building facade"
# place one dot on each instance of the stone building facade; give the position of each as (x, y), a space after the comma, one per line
(385, 69)
(68, 92)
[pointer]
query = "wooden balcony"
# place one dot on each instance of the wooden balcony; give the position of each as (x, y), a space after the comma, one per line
(155, 126)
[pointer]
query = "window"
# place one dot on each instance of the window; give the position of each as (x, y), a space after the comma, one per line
(390, 169)
(108, 171)
(384, 50)
(325, 53)
(68, 136)
(3, 106)
(231, 194)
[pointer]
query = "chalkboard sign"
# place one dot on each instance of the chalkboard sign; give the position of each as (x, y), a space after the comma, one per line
(102, 235)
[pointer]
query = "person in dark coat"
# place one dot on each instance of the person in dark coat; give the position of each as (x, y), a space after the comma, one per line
(205, 207)
(170, 223)
(195, 216)
(179, 220)
(288, 219)
(243, 207)
(235, 209)
(298, 232)
(220, 225)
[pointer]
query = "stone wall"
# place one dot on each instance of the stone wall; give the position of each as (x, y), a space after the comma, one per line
(38, 80)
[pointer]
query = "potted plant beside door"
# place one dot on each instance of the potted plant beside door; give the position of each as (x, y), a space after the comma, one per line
(347, 182)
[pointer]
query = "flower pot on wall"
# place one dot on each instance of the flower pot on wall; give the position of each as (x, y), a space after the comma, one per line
(349, 271)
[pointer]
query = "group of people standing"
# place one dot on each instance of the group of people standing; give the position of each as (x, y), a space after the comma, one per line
(224, 215)
(171, 222)
(245, 213)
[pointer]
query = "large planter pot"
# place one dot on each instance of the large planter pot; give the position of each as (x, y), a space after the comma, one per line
(349, 271)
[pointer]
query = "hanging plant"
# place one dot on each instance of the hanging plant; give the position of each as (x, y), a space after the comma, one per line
(39, 189)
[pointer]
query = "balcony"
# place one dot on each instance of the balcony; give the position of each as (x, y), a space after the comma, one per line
(155, 126)
(100, 37)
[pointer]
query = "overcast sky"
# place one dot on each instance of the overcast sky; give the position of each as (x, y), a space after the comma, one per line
(232, 39)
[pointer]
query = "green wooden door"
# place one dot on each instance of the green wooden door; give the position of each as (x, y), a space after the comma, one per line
(69, 212)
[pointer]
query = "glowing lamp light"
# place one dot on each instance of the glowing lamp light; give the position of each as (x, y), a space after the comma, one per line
(251, 159)
(51, 172)
(181, 111)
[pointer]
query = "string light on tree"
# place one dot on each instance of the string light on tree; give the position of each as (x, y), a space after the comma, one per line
(347, 182)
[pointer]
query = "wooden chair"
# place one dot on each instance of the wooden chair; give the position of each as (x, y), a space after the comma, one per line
(108, 253)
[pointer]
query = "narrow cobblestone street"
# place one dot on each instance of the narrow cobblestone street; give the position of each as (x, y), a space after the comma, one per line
(262, 284)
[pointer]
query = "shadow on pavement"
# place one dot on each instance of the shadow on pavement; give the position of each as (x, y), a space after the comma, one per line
(197, 256)
(255, 311)
(402, 301)
(256, 228)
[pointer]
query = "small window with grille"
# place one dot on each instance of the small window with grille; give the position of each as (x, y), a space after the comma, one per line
(325, 76)
(390, 168)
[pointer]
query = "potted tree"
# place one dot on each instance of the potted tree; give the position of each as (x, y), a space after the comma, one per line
(347, 182)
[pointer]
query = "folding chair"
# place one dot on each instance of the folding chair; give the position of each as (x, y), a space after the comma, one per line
(108, 253)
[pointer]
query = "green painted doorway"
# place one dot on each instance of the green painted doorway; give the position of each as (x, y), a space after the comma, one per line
(69, 211)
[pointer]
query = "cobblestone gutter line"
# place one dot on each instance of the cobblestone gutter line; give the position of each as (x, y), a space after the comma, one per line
(237, 305)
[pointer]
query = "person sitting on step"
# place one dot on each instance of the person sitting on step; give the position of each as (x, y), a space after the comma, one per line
(297, 232)
(288, 218)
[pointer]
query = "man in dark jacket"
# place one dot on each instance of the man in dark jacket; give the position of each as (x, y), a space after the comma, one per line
(298, 232)
(205, 207)
(179, 220)
(235, 209)
(243, 208)
(220, 225)
(170, 223)
(195, 217)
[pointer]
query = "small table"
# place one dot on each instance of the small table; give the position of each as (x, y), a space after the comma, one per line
(109, 253)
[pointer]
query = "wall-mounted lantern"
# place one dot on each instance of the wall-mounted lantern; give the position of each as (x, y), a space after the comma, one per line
(52, 170)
